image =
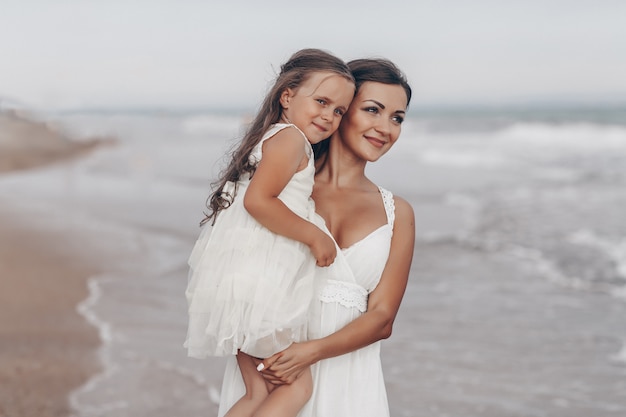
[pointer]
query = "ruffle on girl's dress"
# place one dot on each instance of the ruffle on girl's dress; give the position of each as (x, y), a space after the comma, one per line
(255, 298)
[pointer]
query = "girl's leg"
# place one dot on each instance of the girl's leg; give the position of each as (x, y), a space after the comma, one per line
(287, 400)
(256, 388)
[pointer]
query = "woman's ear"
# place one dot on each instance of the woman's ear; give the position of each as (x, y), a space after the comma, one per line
(285, 97)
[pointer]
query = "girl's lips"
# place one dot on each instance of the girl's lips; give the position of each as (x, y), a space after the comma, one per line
(320, 128)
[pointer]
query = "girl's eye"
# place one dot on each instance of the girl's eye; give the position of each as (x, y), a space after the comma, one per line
(339, 112)
(321, 101)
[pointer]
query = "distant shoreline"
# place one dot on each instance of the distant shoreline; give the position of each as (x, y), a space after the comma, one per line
(27, 143)
(597, 113)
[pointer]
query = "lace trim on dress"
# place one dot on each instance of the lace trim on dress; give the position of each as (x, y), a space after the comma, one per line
(344, 293)
(390, 206)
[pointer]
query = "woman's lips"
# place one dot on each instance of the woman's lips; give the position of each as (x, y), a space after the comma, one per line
(379, 143)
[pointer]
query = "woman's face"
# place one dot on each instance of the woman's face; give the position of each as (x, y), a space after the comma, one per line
(372, 123)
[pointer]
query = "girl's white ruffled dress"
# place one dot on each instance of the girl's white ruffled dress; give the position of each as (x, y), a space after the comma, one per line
(250, 288)
(349, 385)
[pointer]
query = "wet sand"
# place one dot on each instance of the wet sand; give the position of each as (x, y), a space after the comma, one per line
(46, 348)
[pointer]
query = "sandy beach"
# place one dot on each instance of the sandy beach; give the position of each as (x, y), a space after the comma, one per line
(47, 349)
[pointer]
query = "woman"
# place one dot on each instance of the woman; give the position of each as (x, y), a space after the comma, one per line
(360, 293)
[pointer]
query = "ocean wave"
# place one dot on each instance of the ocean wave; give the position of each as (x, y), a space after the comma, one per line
(547, 268)
(616, 251)
(555, 152)
(212, 124)
(87, 309)
(621, 355)
(463, 158)
(571, 136)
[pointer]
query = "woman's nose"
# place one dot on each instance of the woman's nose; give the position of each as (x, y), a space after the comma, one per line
(383, 125)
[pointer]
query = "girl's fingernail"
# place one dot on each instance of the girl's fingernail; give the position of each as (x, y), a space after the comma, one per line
(260, 367)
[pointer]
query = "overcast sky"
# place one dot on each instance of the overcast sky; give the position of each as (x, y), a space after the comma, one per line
(158, 53)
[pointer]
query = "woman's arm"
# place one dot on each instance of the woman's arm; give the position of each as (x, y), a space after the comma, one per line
(373, 325)
(283, 156)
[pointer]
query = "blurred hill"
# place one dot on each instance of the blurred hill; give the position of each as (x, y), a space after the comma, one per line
(26, 142)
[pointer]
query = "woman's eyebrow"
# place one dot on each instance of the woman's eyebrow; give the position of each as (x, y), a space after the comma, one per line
(382, 106)
(378, 103)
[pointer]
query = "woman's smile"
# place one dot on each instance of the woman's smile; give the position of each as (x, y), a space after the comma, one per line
(379, 143)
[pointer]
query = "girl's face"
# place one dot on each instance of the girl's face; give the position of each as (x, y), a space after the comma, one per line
(372, 123)
(318, 104)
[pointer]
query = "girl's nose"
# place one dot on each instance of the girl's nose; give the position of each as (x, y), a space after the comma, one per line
(327, 114)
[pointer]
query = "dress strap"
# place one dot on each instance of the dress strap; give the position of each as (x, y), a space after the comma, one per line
(390, 206)
(256, 154)
(307, 145)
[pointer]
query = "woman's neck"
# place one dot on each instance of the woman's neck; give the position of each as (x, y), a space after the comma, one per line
(342, 169)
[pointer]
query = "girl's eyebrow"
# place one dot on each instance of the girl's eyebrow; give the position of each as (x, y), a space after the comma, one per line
(332, 102)
(382, 106)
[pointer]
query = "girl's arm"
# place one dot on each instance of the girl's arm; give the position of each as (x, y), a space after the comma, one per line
(283, 156)
(373, 325)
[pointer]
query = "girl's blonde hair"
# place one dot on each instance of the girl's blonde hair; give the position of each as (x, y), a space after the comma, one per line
(293, 73)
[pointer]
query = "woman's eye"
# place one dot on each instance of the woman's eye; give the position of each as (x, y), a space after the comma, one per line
(371, 109)
(397, 119)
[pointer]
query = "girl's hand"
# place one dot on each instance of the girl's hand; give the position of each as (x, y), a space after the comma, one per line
(286, 366)
(323, 249)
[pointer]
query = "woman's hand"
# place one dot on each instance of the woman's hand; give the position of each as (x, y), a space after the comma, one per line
(286, 366)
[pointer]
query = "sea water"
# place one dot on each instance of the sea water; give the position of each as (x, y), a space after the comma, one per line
(516, 304)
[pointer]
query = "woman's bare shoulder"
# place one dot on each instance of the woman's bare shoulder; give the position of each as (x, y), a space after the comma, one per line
(404, 210)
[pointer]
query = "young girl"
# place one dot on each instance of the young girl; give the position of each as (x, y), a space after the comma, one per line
(251, 278)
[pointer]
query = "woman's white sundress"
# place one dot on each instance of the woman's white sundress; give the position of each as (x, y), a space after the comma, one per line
(250, 288)
(349, 385)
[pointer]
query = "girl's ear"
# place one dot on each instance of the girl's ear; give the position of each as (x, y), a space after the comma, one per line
(285, 97)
